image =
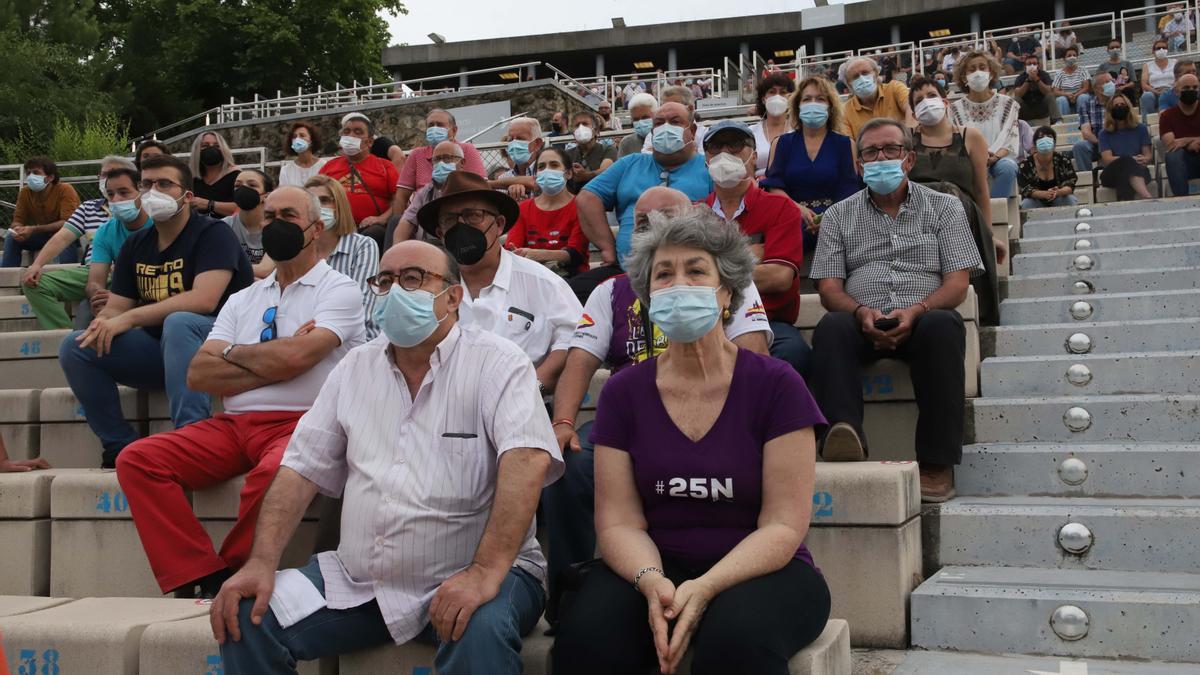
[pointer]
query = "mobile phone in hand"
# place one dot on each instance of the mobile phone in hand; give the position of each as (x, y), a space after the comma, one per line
(886, 324)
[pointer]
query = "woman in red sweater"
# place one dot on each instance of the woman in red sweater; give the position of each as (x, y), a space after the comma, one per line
(548, 230)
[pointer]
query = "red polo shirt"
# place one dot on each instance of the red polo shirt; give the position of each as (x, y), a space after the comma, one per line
(373, 198)
(773, 221)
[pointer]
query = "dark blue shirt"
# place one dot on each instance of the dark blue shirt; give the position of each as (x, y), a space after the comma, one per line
(1125, 142)
(818, 183)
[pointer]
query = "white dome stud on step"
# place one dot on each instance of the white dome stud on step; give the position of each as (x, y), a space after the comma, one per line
(1082, 287)
(1083, 263)
(1079, 343)
(1083, 245)
(1075, 538)
(1083, 212)
(1083, 228)
(1077, 419)
(1081, 310)
(1069, 623)
(1079, 375)
(1073, 471)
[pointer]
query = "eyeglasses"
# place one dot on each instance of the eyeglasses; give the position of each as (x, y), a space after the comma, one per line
(471, 217)
(732, 147)
(448, 158)
(163, 184)
(270, 332)
(409, 278)
(887, 152)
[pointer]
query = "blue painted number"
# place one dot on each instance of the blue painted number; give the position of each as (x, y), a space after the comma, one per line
(108, 502)
(213, 665)
(31, 348)
(27, 662)
(878, 384)
(823, 505)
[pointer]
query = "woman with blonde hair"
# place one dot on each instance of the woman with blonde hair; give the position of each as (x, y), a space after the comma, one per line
(213, 175)
(993, 114)
(353, 254)
(1125, 150)
(814, 163)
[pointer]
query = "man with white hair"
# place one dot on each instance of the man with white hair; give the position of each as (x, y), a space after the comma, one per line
(872, 98)
(268, 354)
(524, 143)
(641, 113)
(604, 109)
(682, 95)
(447, 157)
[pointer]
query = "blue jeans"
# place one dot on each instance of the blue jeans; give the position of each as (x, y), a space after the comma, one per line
(1168, 99)
(34, 242)
(1065, 200)
(491, 643)
(94, 379)
(789, 345)
(568, 511)
(1064, 106)
(1085, 153)
(1182, 166)
(1003, 175)
(1149, 103)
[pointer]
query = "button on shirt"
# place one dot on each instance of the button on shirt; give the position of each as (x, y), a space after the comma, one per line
(418, 474)
(894, 263)
(527, 304)
(323, 295)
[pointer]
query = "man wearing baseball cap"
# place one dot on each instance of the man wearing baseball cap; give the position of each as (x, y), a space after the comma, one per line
(370, 182)
(772, 224)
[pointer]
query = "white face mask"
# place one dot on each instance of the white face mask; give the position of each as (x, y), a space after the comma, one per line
(583, 134)
(1160, 53)
(930, 111)
(351, 145)
(160, 207)
(979, 80)
(727, 170)
(776, 105)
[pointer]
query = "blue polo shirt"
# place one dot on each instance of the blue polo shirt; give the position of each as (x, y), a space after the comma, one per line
(622, 183)
(109, 238)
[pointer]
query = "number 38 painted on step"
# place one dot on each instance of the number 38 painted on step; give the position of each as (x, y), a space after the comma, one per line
(27, 662)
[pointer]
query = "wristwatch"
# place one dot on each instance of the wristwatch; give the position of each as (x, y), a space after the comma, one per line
(225, 352)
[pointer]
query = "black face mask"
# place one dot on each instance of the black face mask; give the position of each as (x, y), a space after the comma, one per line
(246, 198)
(1120, 113)
(464, 242)
(283, 240)
(211, 156)
(1189, 96)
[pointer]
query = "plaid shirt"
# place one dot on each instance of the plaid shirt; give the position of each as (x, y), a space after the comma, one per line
(1091, 111)
(894, 263)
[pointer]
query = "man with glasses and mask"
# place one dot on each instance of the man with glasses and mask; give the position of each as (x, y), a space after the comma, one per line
(524, 143)
(448, 157)
(168, 283)
(516, 298)
(892, 263)
(269, 352)
(1179, 127)
(1091, 121)
(435, 438)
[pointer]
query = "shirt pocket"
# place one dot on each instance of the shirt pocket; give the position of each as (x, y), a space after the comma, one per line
(918, 250)
(462, 474)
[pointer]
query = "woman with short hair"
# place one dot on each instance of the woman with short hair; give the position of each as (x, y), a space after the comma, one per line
(993, 114)
(1047, 177)
(773, 102)
(304, 141)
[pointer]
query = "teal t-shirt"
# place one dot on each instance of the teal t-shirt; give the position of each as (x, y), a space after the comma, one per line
(107, 241)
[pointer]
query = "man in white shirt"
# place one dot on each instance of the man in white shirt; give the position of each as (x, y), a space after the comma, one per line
(268, 354)
(513, 297)
(436, 437)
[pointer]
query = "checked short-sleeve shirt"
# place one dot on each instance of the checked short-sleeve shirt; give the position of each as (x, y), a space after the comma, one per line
(892, 263)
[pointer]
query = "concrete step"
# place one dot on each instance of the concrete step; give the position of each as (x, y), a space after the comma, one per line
(1106, 337)
(1141, 207)
(924, 663)
(1111, 281)
(1104, 259)
(1133, 306)
(1111, 224)
(15, 307)
(1091, 374)
(1104, 614)
(1081, 241)
(1080, 470)
(1065, 532)
(1143, 418)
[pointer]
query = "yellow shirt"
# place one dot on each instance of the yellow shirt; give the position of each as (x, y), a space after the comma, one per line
(892, 101)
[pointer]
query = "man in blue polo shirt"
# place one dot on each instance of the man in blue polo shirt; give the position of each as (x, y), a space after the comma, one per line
(674, 163)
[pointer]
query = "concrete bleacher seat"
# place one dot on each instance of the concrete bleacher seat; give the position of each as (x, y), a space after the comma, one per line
(25, 533)
(187, 646)
(19, 422)
(15, 312)
(29, 359)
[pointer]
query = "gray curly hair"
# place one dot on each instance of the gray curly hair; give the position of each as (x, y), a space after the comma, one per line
(699, 228)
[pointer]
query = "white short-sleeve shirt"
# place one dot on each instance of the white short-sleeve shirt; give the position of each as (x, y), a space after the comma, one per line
(323, 295)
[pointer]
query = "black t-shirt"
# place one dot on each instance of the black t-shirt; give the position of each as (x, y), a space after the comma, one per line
(380, 147)
(220, 191)
(1033, 94)
(146, 274)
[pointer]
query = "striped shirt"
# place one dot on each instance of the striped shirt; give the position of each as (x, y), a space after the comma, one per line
(357, 256)
(86, 220)
(1070, 82)
(419, 473)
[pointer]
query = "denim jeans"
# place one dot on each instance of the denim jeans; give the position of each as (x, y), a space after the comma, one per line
(1064, 106)
(1065, 200)
(1003, 175)
(491, 643)
(568, 511)
(34, 242)
(1167, 100)
(1085, 153)
(789, 345)
(94, 379)
(1182, 166)
(1149, 103)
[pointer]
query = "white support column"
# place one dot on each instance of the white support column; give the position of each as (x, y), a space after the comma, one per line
(599, 65)
(672, 61)
(462, 79)
(896, 32)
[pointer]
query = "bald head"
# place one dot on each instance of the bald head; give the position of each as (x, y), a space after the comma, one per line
(674, 113)
(658, 198)
(446, 148)
(416, 253)
(1187, 81)
(290, 199)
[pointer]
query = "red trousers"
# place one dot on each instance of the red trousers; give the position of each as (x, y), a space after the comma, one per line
(156, 471)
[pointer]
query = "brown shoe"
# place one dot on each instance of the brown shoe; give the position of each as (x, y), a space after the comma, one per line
(842, 444)
(937, 483)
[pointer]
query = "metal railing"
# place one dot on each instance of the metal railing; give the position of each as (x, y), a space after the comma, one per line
(1090, 29)
(1140, 27)
(824, 65)
(966, 42)
(904, 56)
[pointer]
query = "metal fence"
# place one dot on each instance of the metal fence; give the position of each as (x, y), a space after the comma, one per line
(895, 60)
(1141, 26)
(938, 47)
(1092, 35)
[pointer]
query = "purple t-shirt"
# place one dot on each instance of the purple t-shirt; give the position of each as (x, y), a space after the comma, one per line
(702, 498)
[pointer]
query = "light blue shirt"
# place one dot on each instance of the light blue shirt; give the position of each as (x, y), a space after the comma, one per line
(107, 241)
(622, 183)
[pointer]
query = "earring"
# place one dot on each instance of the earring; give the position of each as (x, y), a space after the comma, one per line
(726, 314)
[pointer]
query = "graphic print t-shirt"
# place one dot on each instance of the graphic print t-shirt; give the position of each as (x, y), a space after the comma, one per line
(146, 274)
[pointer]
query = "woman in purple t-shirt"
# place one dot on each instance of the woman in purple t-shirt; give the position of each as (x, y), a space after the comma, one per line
(704, 474)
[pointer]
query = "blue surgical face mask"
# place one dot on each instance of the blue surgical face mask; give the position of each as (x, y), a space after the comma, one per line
(814, 115)
(667, 139)
(407, 318)
(126, 212)
(642, 127)
(684, 313)
(1045, 144)
(299, 145)
(884, 176)
(551, 181)
(435, 135)
(518, 151)
(1109, 88)
(36, 182)
(442, 171)
(328, 216)
(865, 86)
